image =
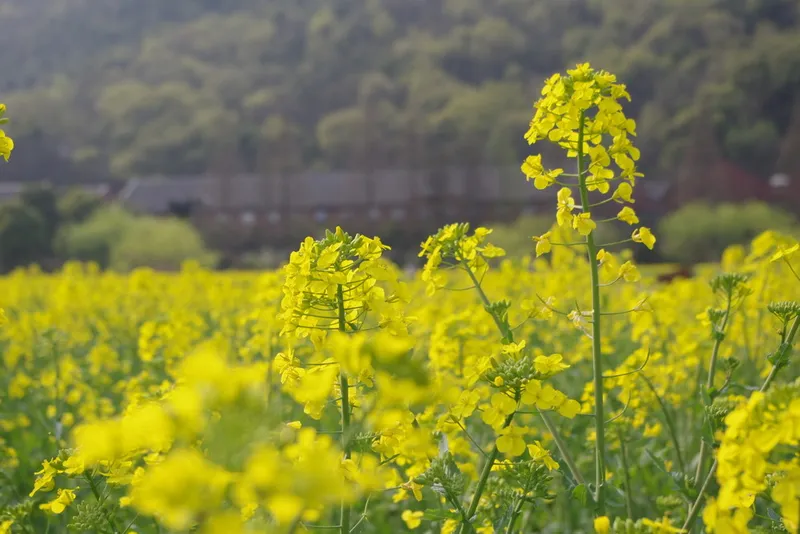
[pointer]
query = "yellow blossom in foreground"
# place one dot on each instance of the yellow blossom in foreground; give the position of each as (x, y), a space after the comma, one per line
(602, 525)
(60, 503)
(645, 236)
(543, 245)
(510, 440)
(412, 519)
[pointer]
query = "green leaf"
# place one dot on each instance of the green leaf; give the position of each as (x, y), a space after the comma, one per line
(580, 493)
(773, 515)
(659, 463)
(433, 514)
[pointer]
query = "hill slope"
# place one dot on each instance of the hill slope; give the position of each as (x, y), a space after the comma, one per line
(147, 86)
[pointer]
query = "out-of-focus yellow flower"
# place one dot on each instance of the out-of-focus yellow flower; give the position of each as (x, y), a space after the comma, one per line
(602, 525)
(60, 503)
(412, 519)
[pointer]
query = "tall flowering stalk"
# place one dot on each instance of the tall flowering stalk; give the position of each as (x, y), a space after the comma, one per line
(517, 378)
(331, 285)
(581, 113)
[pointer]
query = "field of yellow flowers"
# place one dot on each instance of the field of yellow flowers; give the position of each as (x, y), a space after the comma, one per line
(565, 392)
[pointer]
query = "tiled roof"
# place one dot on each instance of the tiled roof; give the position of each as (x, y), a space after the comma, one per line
(313, 189)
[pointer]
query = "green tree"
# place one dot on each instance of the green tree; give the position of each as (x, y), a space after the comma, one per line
(139, 87)
(23, 236)
(77, 205)
(42, 198)
(700, 233)
(160, 243)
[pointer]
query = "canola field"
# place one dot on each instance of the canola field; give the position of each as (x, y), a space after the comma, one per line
(159, 402)
(565, 392)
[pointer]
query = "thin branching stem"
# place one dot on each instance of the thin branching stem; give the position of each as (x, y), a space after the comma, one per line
(562, 448)
(462, 427)
(637, 370)
(712, 369)
(100, 500)
(627, 471)
(621, 242)
(624, 409)
(668, 419)
(516, 512)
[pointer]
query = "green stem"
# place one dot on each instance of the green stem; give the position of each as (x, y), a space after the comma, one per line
(96, 493)
(597, 358)
(484, 477)
(455, 502)
(562, 448)
(670, 424)
(505, 332)
(712, 368)
(785, 259)
(508, 336)
(789, 338)
(695, 509)
(295, 524)
(345, 387)
(515, 515)
(626, 469)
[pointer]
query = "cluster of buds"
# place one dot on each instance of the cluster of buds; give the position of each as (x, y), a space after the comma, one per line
(514, 368)
(444, 477)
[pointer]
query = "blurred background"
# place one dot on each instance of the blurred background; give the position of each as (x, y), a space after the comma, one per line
(152, 131)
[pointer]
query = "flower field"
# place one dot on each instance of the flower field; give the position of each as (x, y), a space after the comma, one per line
(565, 392)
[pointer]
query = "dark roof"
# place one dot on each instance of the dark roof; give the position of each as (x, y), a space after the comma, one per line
(325, 189)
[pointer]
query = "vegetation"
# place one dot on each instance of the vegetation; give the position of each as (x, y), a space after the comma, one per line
(699, 232)
(114, 238)
(145, 86)
(339, 394)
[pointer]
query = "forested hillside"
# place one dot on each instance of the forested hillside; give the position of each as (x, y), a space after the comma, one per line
(149, 86)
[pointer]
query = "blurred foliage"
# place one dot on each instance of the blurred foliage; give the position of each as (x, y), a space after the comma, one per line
(262, 260)
(23, 235)
(93, 239)
(160, 243)
(42, 198)
(114, 238)
(517, 238)
(145, 86)
(699, 233)
(77, 205)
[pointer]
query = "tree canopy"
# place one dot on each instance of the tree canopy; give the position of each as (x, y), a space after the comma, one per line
(133, 87)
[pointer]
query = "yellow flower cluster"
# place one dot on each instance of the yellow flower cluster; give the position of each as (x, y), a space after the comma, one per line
(291, 472)
(751, 461)
(581, 113)
(6, 143)
(332, 283)
(217, 421)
